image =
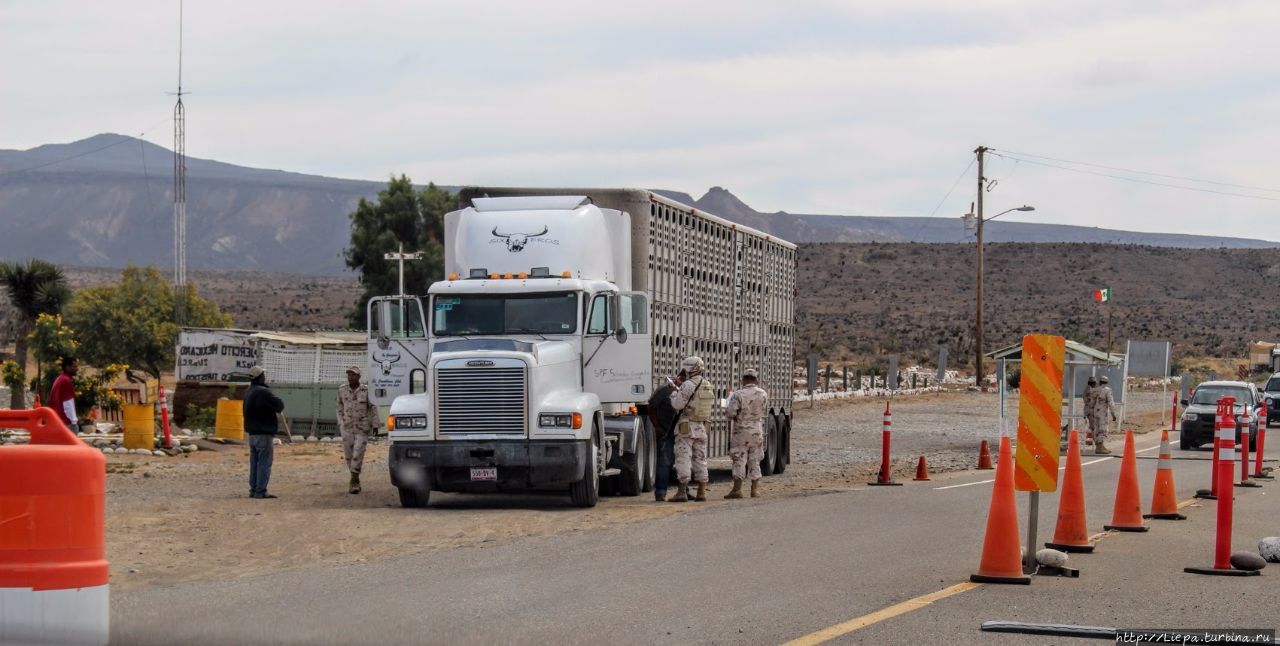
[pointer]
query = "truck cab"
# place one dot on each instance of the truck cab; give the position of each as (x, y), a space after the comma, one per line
(525, 368)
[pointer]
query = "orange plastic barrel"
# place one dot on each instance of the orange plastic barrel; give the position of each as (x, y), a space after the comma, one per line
(53, 568)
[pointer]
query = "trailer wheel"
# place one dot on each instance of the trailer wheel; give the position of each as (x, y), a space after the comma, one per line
(784, 445)
(586, 492)
(414, 498)
(770, 446)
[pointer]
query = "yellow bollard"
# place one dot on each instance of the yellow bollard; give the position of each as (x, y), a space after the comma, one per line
(230, 420)
(140, 426)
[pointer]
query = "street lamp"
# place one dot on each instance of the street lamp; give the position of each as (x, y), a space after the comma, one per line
(975, 221)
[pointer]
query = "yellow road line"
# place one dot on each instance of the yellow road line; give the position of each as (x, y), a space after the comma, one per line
(878, 616)
(1187, 503)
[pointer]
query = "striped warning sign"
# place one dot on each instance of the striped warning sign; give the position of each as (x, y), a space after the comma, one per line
(1039, 413)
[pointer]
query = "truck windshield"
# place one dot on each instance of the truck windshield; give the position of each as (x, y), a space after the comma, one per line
(1273, 385)
(548, 313)
(1211, 394)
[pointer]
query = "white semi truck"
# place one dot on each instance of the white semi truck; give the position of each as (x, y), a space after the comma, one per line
(531, 365)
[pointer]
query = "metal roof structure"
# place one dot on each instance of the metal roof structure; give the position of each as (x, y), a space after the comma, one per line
(1077, 353)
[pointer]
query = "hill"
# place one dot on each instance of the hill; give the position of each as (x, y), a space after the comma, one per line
(107, 201)
(866, 299)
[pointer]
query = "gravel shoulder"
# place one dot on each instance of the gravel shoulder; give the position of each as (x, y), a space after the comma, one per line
(189, 518)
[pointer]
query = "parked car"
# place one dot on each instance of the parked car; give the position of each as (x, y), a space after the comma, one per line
(1271, 393)
(1198, 418)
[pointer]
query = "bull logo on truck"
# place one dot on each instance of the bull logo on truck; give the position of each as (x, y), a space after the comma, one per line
(517, 241)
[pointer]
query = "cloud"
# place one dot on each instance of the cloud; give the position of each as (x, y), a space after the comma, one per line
(838, 107)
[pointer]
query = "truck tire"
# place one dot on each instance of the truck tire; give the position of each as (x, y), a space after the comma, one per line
(770, 446)
(414, 498)
(651, 462)
(1184, 441)
(784, 445)
(633, 464)
(586, 492)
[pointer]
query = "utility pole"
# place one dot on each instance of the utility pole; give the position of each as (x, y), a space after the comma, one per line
(978, 371)
(401, 256)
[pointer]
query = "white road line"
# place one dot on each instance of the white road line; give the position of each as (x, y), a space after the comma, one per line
(967, 484)
(1061, 468)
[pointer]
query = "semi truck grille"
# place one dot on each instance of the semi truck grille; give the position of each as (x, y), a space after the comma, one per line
(481, 401)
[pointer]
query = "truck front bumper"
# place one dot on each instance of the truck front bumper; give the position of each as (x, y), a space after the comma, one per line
(521, 464)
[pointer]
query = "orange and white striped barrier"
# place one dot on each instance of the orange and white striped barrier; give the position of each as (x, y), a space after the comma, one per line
(1226, 455)
(884, 480)
(1245, 436)
(53, 568)
(164, 417)
(1258, 471)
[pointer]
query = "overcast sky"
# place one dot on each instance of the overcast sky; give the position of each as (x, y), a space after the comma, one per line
(868, 108)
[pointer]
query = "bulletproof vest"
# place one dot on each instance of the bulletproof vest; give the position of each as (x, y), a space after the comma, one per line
(753, 403)
(699, 410)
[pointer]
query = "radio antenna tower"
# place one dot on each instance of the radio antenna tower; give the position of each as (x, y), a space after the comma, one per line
(179, 191)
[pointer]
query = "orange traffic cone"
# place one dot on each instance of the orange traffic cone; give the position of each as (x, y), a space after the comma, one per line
(922, 470)
(984, 456)
(1001, 552)
(1126, 516)
(1164, 498)
(1072, 533)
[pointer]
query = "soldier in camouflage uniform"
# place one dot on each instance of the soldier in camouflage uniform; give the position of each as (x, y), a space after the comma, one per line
(1104, 404)
(356, 419)
(745, 410)
(693, 400)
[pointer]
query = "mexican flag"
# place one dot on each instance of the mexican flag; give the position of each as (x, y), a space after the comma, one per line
(1102, 295)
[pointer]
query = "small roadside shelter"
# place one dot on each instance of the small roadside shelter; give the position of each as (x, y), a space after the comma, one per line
(1081, 363)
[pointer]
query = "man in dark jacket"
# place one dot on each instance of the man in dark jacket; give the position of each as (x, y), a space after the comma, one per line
(662, 415)
(260, 409)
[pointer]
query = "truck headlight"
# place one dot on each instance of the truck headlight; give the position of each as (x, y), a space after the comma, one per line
(406, 422)
(1189, 416)
(560, 420)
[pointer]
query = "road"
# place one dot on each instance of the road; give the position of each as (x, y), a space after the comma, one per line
(762, 572)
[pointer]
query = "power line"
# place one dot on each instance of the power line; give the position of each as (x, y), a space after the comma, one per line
(1137, 180)
(127, 139)
(953, 188)
(1143, 172)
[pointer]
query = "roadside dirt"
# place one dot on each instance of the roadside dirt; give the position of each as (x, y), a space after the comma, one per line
(189, 518)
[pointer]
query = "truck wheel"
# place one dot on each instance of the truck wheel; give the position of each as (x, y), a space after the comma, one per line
(770, 446)
(631, 480)
(586, 492)
(414, 498)
(651, 462)
(784, 445)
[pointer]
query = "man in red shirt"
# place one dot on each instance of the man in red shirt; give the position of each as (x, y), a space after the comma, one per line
(62, 397)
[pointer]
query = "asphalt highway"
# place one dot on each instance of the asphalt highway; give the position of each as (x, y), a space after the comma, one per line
(765, 571)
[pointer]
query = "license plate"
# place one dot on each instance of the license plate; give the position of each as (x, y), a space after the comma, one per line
(484, 473)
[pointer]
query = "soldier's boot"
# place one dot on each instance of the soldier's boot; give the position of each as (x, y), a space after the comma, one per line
(660, 496)
(702, 493)
(736, 493)
(1099, 448)
(755, 488)
(682, 493)
(355, 483)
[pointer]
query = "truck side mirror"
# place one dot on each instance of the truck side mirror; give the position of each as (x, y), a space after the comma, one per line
(384, 324)
(621, 333)
(1186, 403)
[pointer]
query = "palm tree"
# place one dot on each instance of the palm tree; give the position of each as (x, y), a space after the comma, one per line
(35, 287)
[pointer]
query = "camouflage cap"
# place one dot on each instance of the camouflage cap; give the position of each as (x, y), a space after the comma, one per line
(750, 372)
(1104, 379)
(355, 369)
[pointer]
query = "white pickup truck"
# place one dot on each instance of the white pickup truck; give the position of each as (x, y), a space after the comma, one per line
(530, 366)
